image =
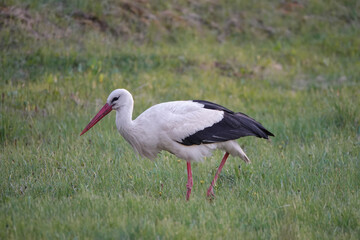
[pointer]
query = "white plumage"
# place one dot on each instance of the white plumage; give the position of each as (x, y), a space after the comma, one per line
(191, 130)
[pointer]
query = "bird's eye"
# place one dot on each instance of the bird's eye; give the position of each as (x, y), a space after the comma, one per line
(114, 99)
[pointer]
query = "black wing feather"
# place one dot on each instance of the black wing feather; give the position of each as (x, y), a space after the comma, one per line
(213, 106)
(232, 126)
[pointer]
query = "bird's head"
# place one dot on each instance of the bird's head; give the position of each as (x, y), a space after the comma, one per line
(119, 98)
(115, 101)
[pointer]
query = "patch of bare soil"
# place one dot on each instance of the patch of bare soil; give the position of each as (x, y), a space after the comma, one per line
(135, 19)
(35, 25)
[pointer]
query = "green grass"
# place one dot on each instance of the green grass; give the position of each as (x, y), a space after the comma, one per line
(296, 71)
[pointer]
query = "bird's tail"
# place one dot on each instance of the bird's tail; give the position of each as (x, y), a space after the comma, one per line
(244, 157)
(234, 149)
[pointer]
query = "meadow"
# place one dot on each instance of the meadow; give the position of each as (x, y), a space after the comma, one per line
(293, 66)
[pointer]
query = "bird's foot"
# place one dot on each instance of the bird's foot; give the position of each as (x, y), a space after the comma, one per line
(188, 194)
(189, 187)
(210, 193)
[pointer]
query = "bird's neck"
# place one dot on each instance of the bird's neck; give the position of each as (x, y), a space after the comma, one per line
(126, 126)
(124, 120)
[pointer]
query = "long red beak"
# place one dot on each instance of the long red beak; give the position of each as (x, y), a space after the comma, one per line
(102, 113)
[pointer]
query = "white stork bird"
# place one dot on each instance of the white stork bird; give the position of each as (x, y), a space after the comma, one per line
(190, 130)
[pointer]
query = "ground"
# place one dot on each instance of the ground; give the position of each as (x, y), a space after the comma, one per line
(292, 65)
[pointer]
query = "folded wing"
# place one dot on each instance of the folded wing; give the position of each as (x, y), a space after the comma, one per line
(232, 126)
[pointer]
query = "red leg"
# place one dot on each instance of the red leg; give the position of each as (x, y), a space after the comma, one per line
(190, 181)
(211, 190)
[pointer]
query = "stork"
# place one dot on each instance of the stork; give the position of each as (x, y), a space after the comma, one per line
(191, 130)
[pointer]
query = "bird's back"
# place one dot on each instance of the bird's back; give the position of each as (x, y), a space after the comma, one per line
(178, 119)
